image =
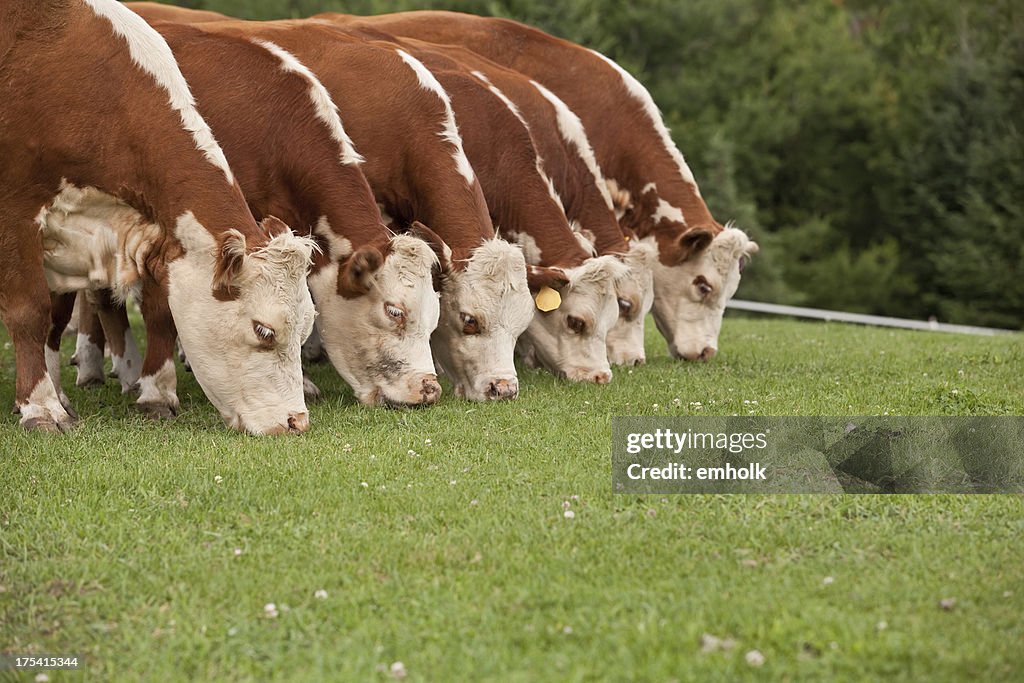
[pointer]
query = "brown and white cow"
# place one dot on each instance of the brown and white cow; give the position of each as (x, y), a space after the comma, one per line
(570, 340)
(293, 158)
(568, 161)
(416, 165)
(112, 179)
(699, 260)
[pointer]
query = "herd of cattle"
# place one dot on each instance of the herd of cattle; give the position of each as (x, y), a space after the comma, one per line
(429, 190)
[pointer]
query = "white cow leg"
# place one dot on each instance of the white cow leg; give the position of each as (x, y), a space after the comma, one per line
(89, 359)
(158, 397)
(311, 391)
(53, 371)
(89, 344)
(127, 367)
(43, 410)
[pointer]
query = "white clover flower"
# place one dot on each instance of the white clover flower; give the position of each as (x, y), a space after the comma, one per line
(398, 670)
(569, 514)
(320, 594)
(218, 479)
(755, 658)
(270, 610)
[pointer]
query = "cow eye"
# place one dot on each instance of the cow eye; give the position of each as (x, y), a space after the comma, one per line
(265, 333)
(703, 286)
(470, 326)
(395, 313)
(577, 325)
(625, 307)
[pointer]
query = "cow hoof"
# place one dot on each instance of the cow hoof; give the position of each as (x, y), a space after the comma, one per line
(74, 359)
(66, 402)
(89, 382)
(310, 390)
(48, 424)
(158, 411)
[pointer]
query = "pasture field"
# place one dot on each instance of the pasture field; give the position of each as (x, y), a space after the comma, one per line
(440, 540)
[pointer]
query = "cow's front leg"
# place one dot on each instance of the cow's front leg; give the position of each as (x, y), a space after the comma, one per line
(158, 384)
(126, 361)
(25, 310)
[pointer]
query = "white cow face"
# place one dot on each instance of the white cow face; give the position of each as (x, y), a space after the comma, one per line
(690, 297)
(243, 334)
(635, 295)
(484, 308)
(378, 309)
(571, 340)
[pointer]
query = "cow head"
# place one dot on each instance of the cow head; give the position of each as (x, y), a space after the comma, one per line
(696, 274)
(242, 317)
(377, 309)
(635, 295)
(570, 340)
(485, 306)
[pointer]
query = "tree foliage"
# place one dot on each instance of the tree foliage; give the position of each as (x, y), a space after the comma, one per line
(875, 148)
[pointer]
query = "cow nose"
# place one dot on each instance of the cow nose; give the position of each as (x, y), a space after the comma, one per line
(601, 377)
(708, 353)
(431, 390)
(503, 388)
(639, 360)
(298, 422)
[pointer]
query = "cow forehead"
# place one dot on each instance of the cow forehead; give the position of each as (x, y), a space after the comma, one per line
(725, 250)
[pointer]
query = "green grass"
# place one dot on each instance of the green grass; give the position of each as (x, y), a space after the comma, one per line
(118, 542)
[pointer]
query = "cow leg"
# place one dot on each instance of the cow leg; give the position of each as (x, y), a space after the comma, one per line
(25, 311)
(61, 308)
(158, 384)
(126, 361)
(310, 391)
(90, 343)
(313, 348)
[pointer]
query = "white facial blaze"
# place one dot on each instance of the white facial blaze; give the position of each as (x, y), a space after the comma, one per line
(689, 321)
(626, 338)
(551, 341)
(256, 387)
(383, 361)
(638, 91)
(151, 53)
(492, 292)
(571, 129)
(449, 130)
(324, 106)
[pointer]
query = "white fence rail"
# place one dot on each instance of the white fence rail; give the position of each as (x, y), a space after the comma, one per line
(879, 320)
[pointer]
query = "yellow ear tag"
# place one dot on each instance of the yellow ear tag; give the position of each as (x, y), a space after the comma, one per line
(547, 299)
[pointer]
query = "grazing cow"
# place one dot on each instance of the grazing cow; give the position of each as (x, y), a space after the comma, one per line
(568, 160)
(416, 165)
(699, 260)
(112, 179)
(569, 341)
(293, 158)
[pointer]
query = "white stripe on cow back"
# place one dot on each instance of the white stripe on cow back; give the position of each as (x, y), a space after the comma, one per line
(515, 111)
(152, 54)
(637, 90)
(450, 131)
(571, 128)
(325, 108)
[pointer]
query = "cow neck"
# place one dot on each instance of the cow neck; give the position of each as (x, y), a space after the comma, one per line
(205, 193)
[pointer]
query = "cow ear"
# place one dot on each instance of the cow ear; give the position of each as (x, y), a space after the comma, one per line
(538, 277)
(692, 242)
(357, 270)
(230, 257)
(274, 226)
